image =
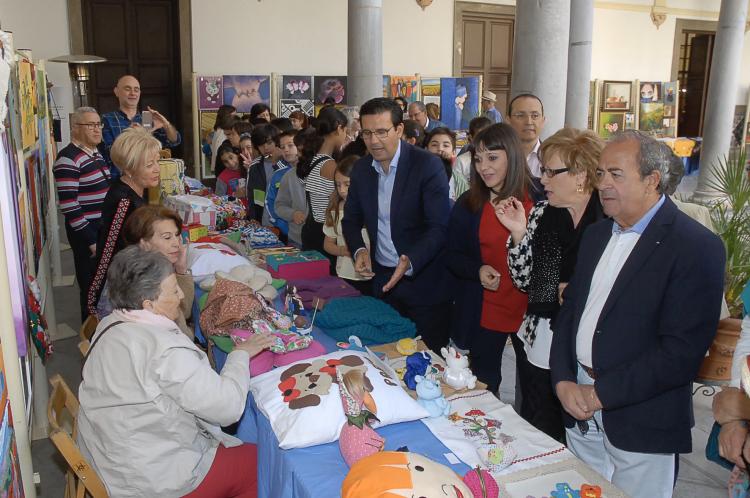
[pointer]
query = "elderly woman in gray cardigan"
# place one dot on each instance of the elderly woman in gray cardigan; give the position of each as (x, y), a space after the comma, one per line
(151, 405)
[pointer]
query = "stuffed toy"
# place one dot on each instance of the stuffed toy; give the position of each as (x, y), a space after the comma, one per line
(357, 439)
(457, 374)
(257, 279)
(391, 474)
(482, 484)
(430, 396)
(416, 364)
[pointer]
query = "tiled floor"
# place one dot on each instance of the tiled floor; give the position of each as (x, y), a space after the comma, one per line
(698, 477)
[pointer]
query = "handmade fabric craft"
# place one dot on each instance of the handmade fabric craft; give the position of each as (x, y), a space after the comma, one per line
(430, 396)
(206, 258)
(357, 439)
(230, 305)
(416, 364)
(258, 237)
(227, 209)
(370, 319)
(285, 341)
(306, 264)
(477, 418)
(193, 209)
(194, 186)
(396, 473)
(325, 288)
(302, 401)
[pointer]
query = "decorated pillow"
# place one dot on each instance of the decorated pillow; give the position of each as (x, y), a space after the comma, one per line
(206, 258)
(302, 400)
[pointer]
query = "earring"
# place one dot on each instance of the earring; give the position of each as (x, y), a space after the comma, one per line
(579, 188)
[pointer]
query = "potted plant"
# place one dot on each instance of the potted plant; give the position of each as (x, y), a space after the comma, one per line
(731, 218)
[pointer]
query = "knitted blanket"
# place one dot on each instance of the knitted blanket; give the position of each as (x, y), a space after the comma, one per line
(370, 319)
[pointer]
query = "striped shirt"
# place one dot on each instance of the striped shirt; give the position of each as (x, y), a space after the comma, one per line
(82, 183)
(319, 188)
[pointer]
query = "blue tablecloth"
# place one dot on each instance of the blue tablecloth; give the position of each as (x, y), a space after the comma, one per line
(318, 471)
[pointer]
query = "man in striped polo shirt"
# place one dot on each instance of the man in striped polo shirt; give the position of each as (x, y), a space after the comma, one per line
(82, 178)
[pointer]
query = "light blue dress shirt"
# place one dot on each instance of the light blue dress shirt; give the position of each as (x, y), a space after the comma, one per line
(641, 225)
(493, 115)
(385, 251)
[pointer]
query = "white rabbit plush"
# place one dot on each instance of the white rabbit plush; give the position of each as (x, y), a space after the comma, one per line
(457, 374)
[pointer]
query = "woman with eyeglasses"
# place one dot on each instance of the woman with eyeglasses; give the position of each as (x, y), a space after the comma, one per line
(136, 153)
(542, 255)
(487, 307)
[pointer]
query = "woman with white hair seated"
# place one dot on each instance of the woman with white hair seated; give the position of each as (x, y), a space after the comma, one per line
(151, 406)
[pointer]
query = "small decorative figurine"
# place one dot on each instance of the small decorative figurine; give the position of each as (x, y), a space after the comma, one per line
(430, 396)
(457, 374)
(357, 439)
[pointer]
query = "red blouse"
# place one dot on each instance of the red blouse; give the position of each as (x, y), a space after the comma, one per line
(503, 309)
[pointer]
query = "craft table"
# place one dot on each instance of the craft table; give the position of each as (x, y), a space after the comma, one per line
(318, 471)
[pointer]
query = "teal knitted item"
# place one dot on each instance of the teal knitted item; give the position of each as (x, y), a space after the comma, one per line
(370, 319)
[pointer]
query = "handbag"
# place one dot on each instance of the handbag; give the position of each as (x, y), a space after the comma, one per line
(712, 448)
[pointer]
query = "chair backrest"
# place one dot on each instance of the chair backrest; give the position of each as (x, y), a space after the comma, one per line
(88, 327)
(62, 412)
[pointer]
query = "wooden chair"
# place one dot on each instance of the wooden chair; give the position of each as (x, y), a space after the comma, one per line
(81, 479)
(88, 327)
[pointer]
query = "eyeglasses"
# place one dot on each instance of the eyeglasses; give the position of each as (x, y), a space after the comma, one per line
(380, 134)
(535, 116)
(91, 126)
(551, 173)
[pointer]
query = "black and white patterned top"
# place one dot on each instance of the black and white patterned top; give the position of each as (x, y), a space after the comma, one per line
(320, 188)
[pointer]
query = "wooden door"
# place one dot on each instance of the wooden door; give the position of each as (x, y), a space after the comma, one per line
(138, 37)
(483, 39)
(694, 81)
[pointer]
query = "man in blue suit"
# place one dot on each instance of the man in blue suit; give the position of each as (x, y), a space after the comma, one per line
(399, 193)
(636, 321)
(418, 113)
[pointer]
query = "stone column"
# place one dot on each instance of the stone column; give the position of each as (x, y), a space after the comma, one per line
(365, 51)
(540, 56)
(579, 63)
(722, 94)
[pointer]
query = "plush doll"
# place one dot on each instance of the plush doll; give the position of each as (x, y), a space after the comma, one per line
(390, 474)
(357, 439)
(430, 396)
(416, 364)
(457, 374)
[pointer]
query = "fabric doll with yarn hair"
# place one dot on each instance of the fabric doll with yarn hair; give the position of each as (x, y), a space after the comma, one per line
(357, 439)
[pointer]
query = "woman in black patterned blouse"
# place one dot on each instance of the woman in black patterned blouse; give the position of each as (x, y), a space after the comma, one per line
(541, 258)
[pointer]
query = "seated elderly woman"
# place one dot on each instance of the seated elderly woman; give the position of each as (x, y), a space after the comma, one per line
(156, 228)
(151, 406)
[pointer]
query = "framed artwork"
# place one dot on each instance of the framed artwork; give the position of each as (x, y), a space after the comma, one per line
(404, 86)
(630, 121)
(27, 96)
(288, 106)
(296, 87)
(331, 90)
(243, 92)
(210, 92)
(386, 86)
(616, 95)
(650, 91)
(207, 122)
(610, 123)
(669, 93)
(651, 117)
(430, 87)
(459, 101)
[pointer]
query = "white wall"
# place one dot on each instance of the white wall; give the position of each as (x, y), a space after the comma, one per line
(42, 26)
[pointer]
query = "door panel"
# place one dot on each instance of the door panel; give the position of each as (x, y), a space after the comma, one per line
(484, 44)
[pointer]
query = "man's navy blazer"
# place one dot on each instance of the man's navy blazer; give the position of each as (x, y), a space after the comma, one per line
(419, 217)
(653, 331)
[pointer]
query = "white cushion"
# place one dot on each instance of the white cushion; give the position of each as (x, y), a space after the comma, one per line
(314, 415)
(206, 258)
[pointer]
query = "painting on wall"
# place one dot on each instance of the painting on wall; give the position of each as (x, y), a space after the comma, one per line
(35, 207)
(650, 91)
(616, 95)
(207, 122)
(610, 123)
(459, 101)
(28, 101)
(330, 90)
(405, 86)
(243, 92)
(430, 91)
(296, 87)
(651, 118)
(210, 92)
(669, 93)
(629, 120)
(288, 106)
(386, 86)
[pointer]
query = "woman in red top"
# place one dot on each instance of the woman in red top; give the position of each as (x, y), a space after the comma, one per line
(487, 308)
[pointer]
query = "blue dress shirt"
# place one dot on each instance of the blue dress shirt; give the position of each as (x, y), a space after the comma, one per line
(385, 251)
(641, 225)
